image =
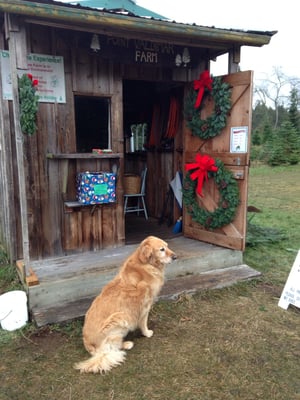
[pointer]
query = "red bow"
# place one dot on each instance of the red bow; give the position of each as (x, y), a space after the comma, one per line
(203, 165)
(35, 82)
(204, 81)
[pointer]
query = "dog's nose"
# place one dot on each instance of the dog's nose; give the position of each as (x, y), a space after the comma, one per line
(174, 257)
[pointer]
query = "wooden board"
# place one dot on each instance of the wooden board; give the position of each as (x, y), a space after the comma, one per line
(234, 234)
(172, 289)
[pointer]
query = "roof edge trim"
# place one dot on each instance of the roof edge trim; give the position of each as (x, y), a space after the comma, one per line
(105, 19)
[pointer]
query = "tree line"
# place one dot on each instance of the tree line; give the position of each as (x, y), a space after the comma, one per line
(276, 120)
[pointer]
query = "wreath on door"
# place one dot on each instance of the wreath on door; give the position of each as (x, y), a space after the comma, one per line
(205, 168)
(221, 94)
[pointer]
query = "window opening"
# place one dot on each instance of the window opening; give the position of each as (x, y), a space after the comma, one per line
(92, 118)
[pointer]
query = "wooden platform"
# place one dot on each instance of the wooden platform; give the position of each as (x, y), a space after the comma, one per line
(67, 285)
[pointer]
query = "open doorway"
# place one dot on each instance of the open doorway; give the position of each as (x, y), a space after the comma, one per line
(152, 115)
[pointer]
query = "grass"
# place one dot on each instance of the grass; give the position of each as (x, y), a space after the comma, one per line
(275, 191)
(8, 277)
(229, 344)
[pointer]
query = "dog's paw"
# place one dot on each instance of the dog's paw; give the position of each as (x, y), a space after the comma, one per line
(148, 333)
(127, 345)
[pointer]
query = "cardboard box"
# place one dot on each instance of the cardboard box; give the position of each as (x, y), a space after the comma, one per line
(96, 187)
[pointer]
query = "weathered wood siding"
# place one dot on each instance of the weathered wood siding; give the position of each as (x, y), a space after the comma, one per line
(55, 229)
(7, 188)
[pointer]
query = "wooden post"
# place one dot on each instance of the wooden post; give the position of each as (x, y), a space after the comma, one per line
(18, 60)
(234, 58)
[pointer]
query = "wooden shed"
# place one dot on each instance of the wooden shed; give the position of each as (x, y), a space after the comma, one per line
(112, 89)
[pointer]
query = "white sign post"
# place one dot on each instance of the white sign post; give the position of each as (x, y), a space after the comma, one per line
(47, 69)
(291, 291)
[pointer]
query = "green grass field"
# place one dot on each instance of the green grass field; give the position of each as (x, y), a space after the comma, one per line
(228, 344)
(276, 192)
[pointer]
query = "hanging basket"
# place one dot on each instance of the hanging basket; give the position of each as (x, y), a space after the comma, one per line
(132, 184)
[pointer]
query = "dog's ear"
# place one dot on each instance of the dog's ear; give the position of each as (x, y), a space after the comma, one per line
(145, 253)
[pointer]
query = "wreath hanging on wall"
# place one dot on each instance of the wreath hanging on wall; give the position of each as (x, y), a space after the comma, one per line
(28, 103)
(205, 168)
(221, 94)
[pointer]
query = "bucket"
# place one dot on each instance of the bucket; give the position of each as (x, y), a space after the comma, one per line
(13, 310)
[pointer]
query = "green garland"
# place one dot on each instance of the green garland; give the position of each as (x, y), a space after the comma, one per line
(213, 125)
(229, 199)
(28, 103)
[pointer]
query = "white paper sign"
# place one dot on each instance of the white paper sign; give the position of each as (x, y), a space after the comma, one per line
(291, 291)
(239, 139)
(48, 70)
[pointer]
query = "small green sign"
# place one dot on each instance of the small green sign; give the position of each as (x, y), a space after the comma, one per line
(100, 189)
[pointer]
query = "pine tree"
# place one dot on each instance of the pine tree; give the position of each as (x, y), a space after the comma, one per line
(267, 132)
(273, 150)
(293, 109)
(256, 137)
(284, 146)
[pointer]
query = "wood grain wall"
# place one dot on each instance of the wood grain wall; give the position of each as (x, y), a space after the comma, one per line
(55, 230)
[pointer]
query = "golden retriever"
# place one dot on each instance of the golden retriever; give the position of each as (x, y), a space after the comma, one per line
(124, 305)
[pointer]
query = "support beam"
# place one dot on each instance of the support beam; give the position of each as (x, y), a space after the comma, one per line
(18, 60)
(234, 58)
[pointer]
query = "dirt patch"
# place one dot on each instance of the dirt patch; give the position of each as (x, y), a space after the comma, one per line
(274, 290)
(47, 339)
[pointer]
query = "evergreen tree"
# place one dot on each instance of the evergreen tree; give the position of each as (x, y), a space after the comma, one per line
(283, 114)
(293, 109)
(259, 115)
(284, 145)
(273, 151)
(267, 132)
(256, 137)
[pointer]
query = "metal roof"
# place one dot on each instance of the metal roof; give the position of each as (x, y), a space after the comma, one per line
(123, 6)
(216, 41)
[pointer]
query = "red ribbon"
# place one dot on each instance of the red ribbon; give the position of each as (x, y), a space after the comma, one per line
(203, 165)
(204, 81)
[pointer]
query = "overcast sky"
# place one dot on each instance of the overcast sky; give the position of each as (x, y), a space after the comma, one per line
(262, 15)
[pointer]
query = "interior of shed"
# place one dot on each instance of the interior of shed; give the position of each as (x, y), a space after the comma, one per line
(152, 117)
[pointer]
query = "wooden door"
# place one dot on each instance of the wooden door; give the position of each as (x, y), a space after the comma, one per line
(232, 235)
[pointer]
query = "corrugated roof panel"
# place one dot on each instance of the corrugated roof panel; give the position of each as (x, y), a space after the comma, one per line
(128, 6)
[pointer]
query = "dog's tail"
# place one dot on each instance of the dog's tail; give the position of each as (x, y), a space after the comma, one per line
(110, 353)
(102, 362)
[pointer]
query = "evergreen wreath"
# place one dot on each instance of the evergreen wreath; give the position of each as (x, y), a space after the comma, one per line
(213, 125)
(28, 103)
(228, 203)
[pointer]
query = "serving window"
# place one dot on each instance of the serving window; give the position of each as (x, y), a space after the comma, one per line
(92, 118)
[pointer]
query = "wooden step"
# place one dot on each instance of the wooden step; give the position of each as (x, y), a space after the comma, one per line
(215, 279)
(67, 284)
(68, 279)
(172, 289)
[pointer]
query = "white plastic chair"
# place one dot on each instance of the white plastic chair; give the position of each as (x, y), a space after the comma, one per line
(140, 198)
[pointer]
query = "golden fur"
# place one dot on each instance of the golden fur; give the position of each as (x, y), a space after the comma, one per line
(124, 305)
